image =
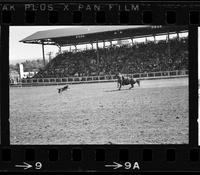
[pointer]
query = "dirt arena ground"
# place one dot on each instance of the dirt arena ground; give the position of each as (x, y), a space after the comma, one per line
(155, 113)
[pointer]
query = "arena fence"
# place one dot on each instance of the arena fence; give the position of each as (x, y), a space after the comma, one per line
(105, 78)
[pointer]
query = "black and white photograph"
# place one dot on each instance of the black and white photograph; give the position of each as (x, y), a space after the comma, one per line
(198, 84)
(0, 106)
(76, 85)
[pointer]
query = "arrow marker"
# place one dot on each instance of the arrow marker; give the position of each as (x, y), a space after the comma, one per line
(25, 166)
(116, 165)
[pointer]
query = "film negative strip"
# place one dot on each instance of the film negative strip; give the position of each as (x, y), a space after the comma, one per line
(99, 86)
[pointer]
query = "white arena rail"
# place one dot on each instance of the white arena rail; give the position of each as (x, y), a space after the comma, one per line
(105, 78)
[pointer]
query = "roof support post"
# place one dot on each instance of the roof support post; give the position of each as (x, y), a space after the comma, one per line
(70, 49)
(59, 47)
(167, 37)
(43, 53)
(178, 36)
(92, 46)
(104, 44)
(169, 49)
(111, 43)
(75, 48)
(97, 45)
(97, 57)
(132, 41)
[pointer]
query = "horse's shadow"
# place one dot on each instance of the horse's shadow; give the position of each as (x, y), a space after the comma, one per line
(118, 90)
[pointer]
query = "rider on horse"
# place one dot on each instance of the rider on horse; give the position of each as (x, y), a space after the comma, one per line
(126, 81)
(121, 76)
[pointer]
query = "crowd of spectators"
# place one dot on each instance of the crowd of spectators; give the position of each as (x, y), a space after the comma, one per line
(138, 58)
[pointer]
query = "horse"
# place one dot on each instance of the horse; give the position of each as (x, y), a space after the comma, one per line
(121, 81)
(63, 88)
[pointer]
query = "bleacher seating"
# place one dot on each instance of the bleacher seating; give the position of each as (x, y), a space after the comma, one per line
(139, 58)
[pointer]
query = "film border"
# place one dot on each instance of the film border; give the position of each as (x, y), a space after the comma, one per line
(164, 13)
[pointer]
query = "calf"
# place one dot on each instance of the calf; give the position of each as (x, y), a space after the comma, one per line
(63, 88)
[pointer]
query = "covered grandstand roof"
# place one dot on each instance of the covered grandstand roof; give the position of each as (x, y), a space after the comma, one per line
(71, 31)
(86, 34)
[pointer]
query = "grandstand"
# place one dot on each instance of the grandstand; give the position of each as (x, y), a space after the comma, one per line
(149, 56)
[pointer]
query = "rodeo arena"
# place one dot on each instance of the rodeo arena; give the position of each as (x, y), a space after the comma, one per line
(128, 85)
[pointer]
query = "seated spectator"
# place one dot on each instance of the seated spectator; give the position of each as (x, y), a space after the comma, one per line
(138, 58)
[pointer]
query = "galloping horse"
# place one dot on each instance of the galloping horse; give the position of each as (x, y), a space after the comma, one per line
(121, 81)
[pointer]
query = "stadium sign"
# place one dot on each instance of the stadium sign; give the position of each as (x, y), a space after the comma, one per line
(80, 36)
